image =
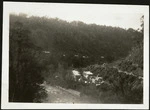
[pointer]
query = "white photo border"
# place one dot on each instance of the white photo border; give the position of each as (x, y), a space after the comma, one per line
(5, 104)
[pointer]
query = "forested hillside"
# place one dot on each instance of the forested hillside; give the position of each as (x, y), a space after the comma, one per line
(123, 78)
(90, 43)
(42, 48)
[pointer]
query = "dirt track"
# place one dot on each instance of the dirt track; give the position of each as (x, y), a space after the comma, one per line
(61, 95)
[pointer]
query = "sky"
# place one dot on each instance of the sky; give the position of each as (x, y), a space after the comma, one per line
(124, 16)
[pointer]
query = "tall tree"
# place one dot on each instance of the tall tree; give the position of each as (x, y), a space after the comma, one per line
(24, 70)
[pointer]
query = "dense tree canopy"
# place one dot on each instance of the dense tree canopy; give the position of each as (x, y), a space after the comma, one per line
(89, 42)
(24, 77)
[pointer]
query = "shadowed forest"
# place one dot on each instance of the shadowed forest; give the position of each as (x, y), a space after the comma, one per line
(45, 49)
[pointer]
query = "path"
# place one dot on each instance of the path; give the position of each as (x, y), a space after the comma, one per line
(61, 95)
(127, 73)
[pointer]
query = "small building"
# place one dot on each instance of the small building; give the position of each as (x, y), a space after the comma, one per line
(102, 56)
(96, 79)
(46, 51)
(85, 57)
(86, 74)
(76, 55)
(76, 74)
(93, 80)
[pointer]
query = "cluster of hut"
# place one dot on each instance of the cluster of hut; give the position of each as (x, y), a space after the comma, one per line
(87, 77)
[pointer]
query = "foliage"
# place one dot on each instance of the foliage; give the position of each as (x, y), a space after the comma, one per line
(118, 87)
(24, 70)
(77, 38)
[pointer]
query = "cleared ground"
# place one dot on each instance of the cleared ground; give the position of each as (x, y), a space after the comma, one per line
(61, 95)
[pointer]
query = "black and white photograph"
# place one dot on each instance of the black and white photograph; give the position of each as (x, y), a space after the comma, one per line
(75, 55)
